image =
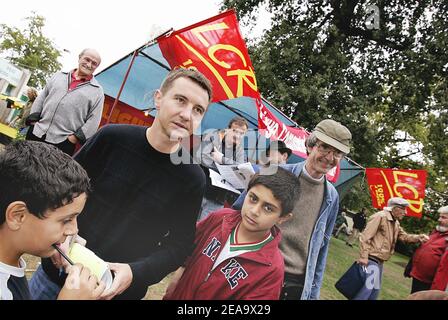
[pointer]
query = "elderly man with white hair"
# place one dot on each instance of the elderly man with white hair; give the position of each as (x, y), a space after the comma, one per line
(377, 244)
(68, 110)
(430, 260)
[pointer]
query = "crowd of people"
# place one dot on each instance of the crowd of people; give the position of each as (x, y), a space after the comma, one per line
(148, 217)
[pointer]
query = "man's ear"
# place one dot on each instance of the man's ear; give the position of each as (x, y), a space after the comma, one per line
(15, 215)
(284, 218)
(157, 98)
(309, 149)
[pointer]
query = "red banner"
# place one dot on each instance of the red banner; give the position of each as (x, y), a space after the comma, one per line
(388, 183)
(271, 127)
(124, 113)
(215, 48)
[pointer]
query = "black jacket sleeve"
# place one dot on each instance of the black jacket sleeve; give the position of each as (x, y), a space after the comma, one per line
(33, 117)
(93, 153)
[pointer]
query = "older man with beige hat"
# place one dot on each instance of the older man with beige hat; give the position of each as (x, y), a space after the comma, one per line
(306, 236)
(377, 243)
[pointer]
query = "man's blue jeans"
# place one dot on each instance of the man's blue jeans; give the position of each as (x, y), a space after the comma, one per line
(371, 288)
(41, 287)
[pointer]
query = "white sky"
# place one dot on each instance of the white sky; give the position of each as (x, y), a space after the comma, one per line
(114, 28)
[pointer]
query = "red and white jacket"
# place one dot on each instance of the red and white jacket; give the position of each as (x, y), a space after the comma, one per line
(249, 276)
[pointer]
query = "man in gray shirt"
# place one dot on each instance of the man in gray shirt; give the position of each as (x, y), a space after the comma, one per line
(221, 147)
(68, 110)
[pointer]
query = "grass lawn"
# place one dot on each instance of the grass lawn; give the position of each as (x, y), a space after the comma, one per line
(340, 257)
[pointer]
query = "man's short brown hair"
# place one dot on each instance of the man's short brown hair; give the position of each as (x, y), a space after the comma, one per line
(239, 121)
(191, 74)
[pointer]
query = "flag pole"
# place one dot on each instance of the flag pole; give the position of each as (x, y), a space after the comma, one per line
(129, 69)
(122, 86)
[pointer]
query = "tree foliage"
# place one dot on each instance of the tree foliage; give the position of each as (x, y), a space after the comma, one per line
(30, 49)
(384, 76)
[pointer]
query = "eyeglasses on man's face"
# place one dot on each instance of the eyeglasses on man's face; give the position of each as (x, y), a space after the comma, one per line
(325, 149)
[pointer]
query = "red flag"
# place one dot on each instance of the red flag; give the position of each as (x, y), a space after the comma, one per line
(215, 48)
(271, 127)
(388, 183)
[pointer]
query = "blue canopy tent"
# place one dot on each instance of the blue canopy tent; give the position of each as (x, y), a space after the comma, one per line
(135, 77)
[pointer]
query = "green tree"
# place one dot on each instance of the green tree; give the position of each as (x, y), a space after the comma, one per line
(380, 67)
(30, 49)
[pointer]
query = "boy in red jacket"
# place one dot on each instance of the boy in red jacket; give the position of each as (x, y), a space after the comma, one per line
(236, 255)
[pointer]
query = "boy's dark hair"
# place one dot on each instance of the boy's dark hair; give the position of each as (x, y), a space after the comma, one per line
(283, 184)
(40, 175)
(191, 74)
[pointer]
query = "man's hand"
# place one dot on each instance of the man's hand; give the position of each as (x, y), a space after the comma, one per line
(122, 280)
(217, 155)
(174, 281)
(429, 295)
(72, 138)
(81, 285)
(423, 238)
(363, 261)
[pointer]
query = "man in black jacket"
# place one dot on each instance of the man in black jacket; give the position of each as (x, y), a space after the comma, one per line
(143, 208)
(359, 223)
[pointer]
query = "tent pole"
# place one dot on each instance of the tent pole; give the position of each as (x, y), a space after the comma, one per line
(122, 86)
(257, 135)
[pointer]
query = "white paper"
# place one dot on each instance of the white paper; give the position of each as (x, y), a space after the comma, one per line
(237, 175)
(220, 182)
